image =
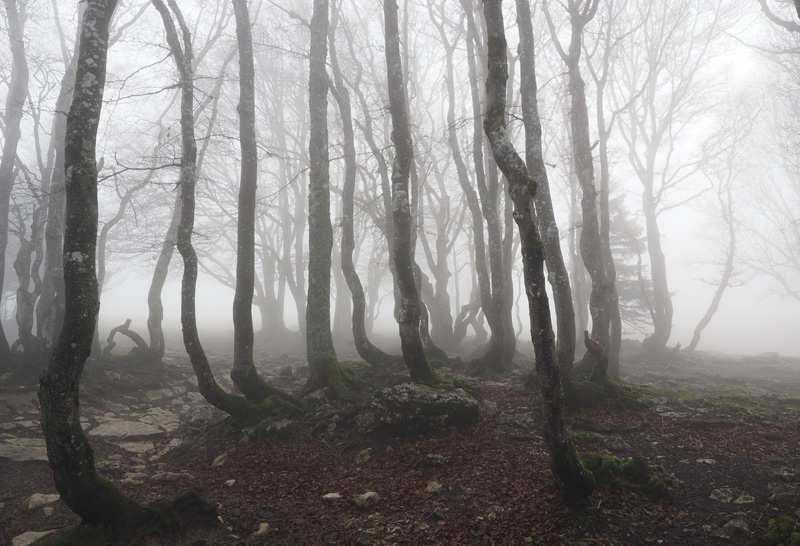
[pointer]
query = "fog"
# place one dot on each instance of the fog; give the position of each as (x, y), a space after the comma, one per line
(727, 61)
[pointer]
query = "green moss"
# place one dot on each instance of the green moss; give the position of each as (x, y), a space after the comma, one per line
(341, 382)
(780, 530)
(633, 472)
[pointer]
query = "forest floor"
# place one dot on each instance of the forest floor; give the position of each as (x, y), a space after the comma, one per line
(721, 431)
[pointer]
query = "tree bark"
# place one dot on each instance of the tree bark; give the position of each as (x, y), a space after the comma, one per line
(89, 495)
(409, 311)
(534, 157)
(15, 100)
(576, 481)
(244, 373)
(366, 349)
(325, 370)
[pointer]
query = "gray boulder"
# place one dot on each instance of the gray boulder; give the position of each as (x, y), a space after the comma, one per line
(410, 408)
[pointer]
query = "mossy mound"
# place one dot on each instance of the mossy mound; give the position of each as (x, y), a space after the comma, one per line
(780, 530)
(630, 473)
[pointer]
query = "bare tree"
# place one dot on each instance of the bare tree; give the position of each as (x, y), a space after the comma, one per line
(576, 481)
(15, 100)
(404, 263)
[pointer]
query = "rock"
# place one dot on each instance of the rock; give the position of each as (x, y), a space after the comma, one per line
(23, 449)
(410, 407)
(121, 430)
(434, 488)
(615, 443)
(432, 460)
(735, 528)
(39, 499)
(706, 461)
(219, 460)
(723, 494)
(744, 498)
(782, 496)
(29, 537)
(140, 448)
(47, 510)
(363, 456)
(367, 500)
(262, 528)
(172, 476)
(230, 483)
(331, 497)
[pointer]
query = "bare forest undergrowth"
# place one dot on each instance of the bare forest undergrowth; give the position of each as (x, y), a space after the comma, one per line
(721, 431)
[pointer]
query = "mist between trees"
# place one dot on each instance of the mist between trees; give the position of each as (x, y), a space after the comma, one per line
(441, 166)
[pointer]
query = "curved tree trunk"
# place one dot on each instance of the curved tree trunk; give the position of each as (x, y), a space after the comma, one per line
(576, 481)
(88, 494)
(409, 312)
(15, 100)
(366, 350)
(534, 157)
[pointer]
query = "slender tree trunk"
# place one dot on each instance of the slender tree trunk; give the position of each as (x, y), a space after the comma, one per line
(15, 100)
(534, 157)
(409, 315)
(662, 299)
(244, 373)
(576, 481)
(366, 350)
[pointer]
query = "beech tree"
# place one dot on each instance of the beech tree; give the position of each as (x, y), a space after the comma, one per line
(15, 100)
(576, 481)
(404, 263)
(580, 13)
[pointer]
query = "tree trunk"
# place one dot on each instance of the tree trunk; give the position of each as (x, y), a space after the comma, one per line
(366, 350)
(534, 157)
(576, 481)
(244, 373)
(15, 100)
(409, 311)
(590, 241)
(88, 494)
(662, 300)
(325, 370)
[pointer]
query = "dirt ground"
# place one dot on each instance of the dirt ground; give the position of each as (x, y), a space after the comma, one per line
(721, 431)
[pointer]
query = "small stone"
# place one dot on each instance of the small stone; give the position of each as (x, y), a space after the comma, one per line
(262, 528)
(432, 460)
(47, 510)
(744, 498)
(367, 500)
(735, 528)
(363, 456)
(29, 537)
(39, 499)
(172, 476)
(723, 494)
(230, 483)
(219, 460)
(615, 443)
(706, 461)
(434, 488)
(331, 497)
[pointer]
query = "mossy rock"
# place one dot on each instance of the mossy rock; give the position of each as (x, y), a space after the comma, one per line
(411, 408)
(77, 535)
(630, 473)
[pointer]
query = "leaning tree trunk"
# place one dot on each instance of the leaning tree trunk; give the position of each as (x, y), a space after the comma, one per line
(366, 349)
(409, 312)
(92, 497)
(324, 367)
(15, 100)
(576, 481)
(534, 157)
